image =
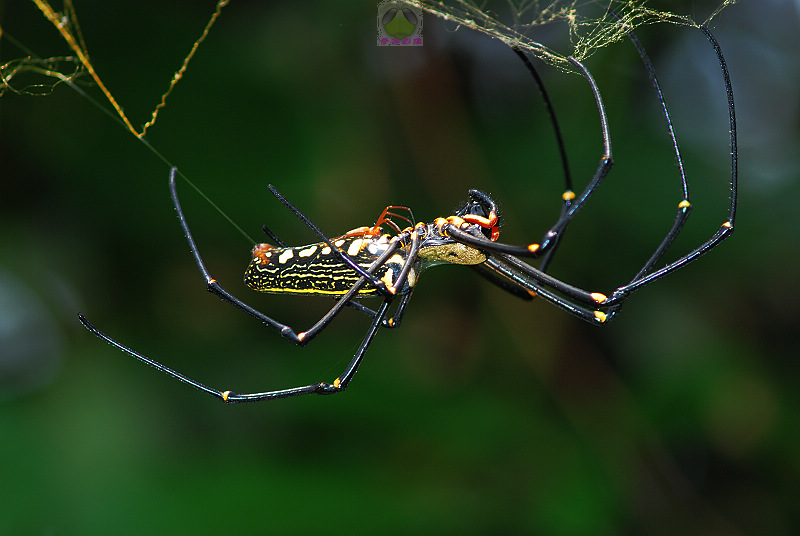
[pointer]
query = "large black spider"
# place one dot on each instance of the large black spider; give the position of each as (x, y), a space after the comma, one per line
(366, 262)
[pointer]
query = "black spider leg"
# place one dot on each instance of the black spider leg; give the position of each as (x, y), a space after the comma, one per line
(391, 322)
(575, 300)
(496, 277)
(272, 236)
(487, 270)
(213, 286)
(612, 304)
(301, 339)
(644, 277)
(552, 236)
(568, 194)
(395, 320)
(230, 397)
(568, 297)
(685, 206)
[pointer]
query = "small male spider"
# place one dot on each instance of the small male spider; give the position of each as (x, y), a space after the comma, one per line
(366, 262)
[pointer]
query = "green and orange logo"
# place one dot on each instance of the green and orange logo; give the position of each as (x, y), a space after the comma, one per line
(399, 24)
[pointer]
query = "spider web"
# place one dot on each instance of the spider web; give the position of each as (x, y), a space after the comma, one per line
(49, 72)
(591, 24)
(38, 76)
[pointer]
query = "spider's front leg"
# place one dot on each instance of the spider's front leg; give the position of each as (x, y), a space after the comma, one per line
(397, 272)
(314, 269)
(593, 306)
(212, 285)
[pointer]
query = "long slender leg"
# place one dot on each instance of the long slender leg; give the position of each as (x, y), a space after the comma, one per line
(490, 273)
(597, 307)
(392, 322)
(726, 229)
(213, 286)
(340, 383)
(272, 236)
(574, 304)
(685, 206)
(552, 236)
(486, 270)
(568, 195)
(322, 388)
(581, 303)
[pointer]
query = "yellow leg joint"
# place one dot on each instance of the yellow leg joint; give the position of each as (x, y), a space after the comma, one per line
(337, 382)
(684, 204)
(601, 316)
(598, 297)
(225, 396)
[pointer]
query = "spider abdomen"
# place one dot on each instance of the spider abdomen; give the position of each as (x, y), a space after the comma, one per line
(317, 269)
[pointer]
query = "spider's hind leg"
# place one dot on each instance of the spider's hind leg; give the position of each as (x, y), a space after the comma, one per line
(391, 322)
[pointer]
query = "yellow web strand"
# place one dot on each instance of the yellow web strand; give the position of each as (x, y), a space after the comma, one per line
(590, 28)
(62, 23)
(179, 74)
(67, 25)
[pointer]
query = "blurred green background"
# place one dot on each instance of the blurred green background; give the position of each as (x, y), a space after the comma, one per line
(481, 413)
